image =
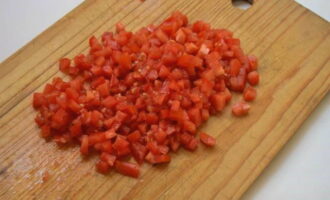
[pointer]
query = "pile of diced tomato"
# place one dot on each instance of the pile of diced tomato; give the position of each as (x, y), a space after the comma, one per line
(143, 95)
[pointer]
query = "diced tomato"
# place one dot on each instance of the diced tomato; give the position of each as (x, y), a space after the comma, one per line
(157, 159)
(207, 139)
(144, 94)
(60, 119)
(39, 100)
(96, 138)
(106, 146)
(73, 106)
(45, 131)
(253, 63)
(65, 64)
(134, 136)
(104, 89)
(240, 108)
(253, 78)
(94, 44)
(102, 167)
(138, 152)
(84, 145)
(160, 136)
(192, 145)
(108, 158)
(180, 36)
(72, 93)
(128, 169)
(109, 102)
(189, 126)
(218, 101)
(249, 94)
(121, 146)
(235, 66)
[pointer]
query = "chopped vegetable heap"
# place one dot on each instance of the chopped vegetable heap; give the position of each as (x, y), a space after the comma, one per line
(144, 94)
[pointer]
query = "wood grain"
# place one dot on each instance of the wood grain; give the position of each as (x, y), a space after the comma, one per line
(292, 44)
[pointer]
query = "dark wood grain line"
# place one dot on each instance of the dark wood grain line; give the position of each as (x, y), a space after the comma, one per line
(274, 15)
(267, 34)
(3, 170)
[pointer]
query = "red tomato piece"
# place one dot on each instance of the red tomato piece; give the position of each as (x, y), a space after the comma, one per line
(207, 139)
(138, 152)
(108, 158)
(84, 145)
(134, 136)
(253, 78)
(240, 109)
(39, 100)
(102, 167)
(65, 64)
(218, 101)
(128, 169)
(121, 146)
(249, 94)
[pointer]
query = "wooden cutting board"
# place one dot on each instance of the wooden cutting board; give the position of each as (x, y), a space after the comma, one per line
(293, 46)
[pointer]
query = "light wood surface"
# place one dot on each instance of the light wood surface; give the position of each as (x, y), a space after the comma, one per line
(293, 46)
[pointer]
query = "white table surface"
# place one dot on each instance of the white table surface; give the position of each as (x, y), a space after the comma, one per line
(299, 172)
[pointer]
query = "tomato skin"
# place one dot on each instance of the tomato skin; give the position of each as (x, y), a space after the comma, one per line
(218, 101)
(84, 145)
(180, 36)
(253, 78)
(39, 100)
(189, 62)
(249, 94)
(60, 119)
(121, 146)
(253, 63)
(158, 159)
(127, 169)
(109, 102)
(96, 138)
(207, 139)
(64, 64)
(73, 106)
(235, 66)
(134, 136)
(104, 89)
(102, 167)
(240, 109)
(138, 152)
(108, 158)
(94, 44)
(45, 131)
(106, 147)
(192, 145)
